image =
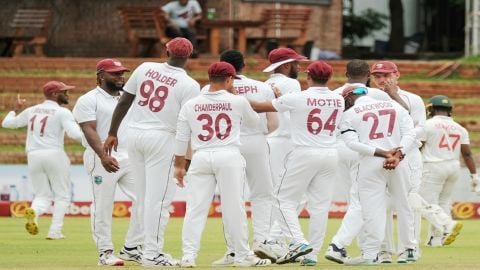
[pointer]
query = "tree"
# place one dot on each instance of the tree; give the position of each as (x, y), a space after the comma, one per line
(359, 26)
(396, 42)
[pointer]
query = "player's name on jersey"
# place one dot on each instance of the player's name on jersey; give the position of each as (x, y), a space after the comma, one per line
(320, 102)
(213, 107)
(245, 89)
(157, 76)
(44, 111)
(445, 126)
(375, 106)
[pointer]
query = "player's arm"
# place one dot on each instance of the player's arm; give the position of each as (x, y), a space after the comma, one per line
(391, 88)
(419, 117)
(12, 120)
(182, 139)
(470, 163)
(262, 106)
(89, 128)
(71, 127)
(119, 113)
(407, 131)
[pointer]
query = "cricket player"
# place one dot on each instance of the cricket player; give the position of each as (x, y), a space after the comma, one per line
(385, 75)
(93, 111)
(444, 142)
(155, 92)
(212, 122)
(309, 169)
(254, 149)
(381, 132)
(47, 124)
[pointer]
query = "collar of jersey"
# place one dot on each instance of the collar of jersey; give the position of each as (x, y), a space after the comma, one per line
(103, 92)
(51, 102)
(219, 92)
(175, 68)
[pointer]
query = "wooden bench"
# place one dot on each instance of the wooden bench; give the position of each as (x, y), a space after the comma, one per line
(145, 27)
(286, 26)
(31, 29)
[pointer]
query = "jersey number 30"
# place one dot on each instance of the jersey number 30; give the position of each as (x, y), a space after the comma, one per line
(208, 126)
(156, 101)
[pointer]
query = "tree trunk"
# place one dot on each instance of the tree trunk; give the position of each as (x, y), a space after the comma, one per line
(396, 42)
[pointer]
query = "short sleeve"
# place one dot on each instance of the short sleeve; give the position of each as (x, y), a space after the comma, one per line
(131, 85)
(84, 110)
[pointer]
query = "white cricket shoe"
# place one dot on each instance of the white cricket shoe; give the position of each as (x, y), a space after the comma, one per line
(227, 260)
(452, 233)
(131, 254)
(335, 254)
(188, 263)
(360, 261)
(55, 236)
(252, 261)
(159, 261)
(408, 255)
(384, 257)
(295, 251)
(108, 258)
(31, 226)
(265, 250)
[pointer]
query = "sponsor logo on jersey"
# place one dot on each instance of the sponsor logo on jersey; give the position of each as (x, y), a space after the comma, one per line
(97, 179)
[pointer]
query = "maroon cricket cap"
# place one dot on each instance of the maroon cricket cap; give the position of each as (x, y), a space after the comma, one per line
(384, 67)
(282, 56)
(222, 69)
(110, 65)
(180, 47)
(55, 86)
(320, 70)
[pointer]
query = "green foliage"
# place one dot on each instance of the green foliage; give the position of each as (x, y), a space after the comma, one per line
(360, 26)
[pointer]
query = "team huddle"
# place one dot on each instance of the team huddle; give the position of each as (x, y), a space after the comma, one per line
(159, 131)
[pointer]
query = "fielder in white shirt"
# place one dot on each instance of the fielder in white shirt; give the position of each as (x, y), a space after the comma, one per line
(155, 92)
(212, 122)
(254, 149)
(48, 164)
(444, 142)
(93, 111)
(311, 166)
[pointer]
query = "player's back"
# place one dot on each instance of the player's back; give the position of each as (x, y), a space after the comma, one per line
(160, 91)
(215, 119)
(443, 139)
(314, 117)
(377, 122)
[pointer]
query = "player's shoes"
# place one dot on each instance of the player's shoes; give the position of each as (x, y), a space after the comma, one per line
(31, 226)
(335, 254)
(131, 254)
(252, 261)
(268, 250)
(188, 263)
(226, 260)
(160, 260)
(108, 258)
(384, 257)
(55, 236)
(408, 255)
(360, 261)
(308, 262)
(435, 241)
(296, 250)
(452, 233)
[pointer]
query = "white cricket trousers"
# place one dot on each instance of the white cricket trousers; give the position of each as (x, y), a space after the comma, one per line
(104, 185)
(415, 166)
(151, 157)
(373, 183)
(438, 183)
(224, 167)
(49, 171)
(309, 171)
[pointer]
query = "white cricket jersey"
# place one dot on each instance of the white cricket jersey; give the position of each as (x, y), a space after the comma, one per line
(417, 112)
(46, 124)
(443, 139)
(160, 91)
(286, 85)
(374, 93)
(256, 91)
(372, 124)
(314, 116)
(213, 120)
(98, 105)
(180, 15)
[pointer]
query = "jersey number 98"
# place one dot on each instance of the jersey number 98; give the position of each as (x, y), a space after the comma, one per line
(153, 97)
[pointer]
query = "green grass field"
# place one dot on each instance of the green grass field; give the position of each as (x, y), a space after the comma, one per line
(19, 250)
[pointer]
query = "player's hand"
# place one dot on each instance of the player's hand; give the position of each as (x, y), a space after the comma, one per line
(19, 103)
(390, 86)
(110, 163)
(110, 143)
(179, 175)
(474, 183)
(276, 91)
(391, 163)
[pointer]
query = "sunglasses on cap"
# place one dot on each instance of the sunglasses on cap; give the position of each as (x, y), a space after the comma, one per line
(360, 91)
